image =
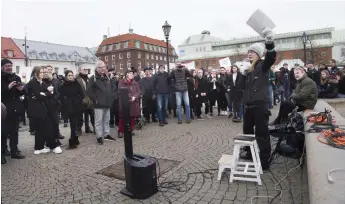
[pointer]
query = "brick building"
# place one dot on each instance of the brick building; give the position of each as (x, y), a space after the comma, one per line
(289, 46)
(132, 50)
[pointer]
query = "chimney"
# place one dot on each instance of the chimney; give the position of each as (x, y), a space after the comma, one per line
(130, 31)
(105, 37)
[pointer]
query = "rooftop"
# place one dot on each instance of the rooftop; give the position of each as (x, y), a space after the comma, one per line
(204, 37)
(7, 44)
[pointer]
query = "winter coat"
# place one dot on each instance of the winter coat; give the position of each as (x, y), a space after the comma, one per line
(256, 80)
(53, 102)
(10, 97)
(341, 86)
(328, 88)
(71, 97)
(133, 90)
(191, 91)
(101, 91)
(314, 75)
(293, 80)
(37, 103)
(161, 84)
(146, 87)
(222, 83)
(236, 89)
(272, 78)
(179, 75)
(83, 80)
(305, 93)
(284, 78)
(202, 85)
(333, 71)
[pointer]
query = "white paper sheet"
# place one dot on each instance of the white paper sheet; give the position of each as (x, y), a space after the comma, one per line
(226, 63)
(259, 21)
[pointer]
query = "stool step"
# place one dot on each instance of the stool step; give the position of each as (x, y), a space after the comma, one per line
(245, 138)
(225, 159)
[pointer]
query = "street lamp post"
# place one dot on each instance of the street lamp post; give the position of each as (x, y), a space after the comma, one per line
(166, 29)
(304, 41)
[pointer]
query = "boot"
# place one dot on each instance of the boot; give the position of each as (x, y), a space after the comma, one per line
(72, 143)
(77, 141)
(17, 155)
(88, 130)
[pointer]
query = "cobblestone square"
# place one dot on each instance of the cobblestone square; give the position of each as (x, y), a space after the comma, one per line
(71, 176)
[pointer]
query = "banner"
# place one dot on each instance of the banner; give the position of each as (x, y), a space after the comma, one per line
(190, 65)
(226, 63)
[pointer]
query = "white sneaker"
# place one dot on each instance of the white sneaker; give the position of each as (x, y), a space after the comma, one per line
(36, 152)
(57, 150)
(208, 116)
(45, 150)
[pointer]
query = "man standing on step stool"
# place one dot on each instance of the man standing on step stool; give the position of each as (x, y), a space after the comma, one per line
(256, 112)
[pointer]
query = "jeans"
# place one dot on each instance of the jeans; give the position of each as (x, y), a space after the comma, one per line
(228, 99)
(270, 96)
(162, 105)
(102, 118)
(179, 97)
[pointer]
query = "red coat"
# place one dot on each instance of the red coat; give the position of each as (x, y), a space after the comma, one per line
(133, 90)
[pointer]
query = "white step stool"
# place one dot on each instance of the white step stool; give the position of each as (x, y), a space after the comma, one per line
(224, 163)
(246, 171)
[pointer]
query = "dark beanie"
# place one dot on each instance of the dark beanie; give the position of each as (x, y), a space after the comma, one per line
(5, 61)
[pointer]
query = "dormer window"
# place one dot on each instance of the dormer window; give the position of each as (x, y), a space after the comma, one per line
(75, 57)
(33, 55)
(9, 53)
(53, 56)
(44, 55)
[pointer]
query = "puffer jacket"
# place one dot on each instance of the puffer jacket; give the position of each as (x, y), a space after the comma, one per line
(179, 76)
(257, 79)
(101, 91)
(305, 93)
(328, 88)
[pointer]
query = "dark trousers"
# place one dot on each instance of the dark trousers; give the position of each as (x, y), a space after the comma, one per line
(85, 116)
(149, 108)
(198, 105)
(9, 129)
(236, 106)
(114, 114)
(64, 117)
(31, 125)
(172, 103)
(213, 97)
(45, 133)
(221, 102)
(258, 116)
(74, 122)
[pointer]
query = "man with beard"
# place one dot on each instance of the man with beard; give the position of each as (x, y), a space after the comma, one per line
(54, 102)
(148, 100)
(83, 80)
(11, 90)
(256, 96)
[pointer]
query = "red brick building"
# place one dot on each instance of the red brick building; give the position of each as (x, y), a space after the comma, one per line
(132, 50)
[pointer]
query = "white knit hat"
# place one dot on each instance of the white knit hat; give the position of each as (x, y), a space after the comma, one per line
(258, 48)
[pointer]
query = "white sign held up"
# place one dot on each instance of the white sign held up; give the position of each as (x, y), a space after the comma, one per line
(226, 63)
(259, 21)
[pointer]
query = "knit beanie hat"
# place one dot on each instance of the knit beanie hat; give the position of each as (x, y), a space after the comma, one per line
(5, 61)
(258, 48)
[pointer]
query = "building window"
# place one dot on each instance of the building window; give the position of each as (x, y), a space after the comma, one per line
(343, 52)
(9, 53)
(113, 66)
(161, 58)
(56, 69)
(147, 56)
(154, 48)
(128, 64)
(139, 55)
(120, 56)
(150, 47)
(323, 53)
(106, 58)
(152, 56)
(147, 64)
(295, 56)
(137, 44)
(156, 57)
(139, 65)
(33, 55)
(125, 44)
(44, 56)
(103, 48)
(117, 46)
(17, 69)
(128, 55)
(145, 46)
(110, 47)
(113, 57)
(121, 65)
(165, 58)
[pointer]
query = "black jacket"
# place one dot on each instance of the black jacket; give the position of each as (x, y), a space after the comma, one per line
(222, 82)
(202, 85)
(53, 102)
(305, 93)
(71, 97)
(236, 89)
(146, 87)
(314, 75)
(161, 83)
(37, 103)
(329, 88)
(333, 71)
(10, 97)
(179, 76)
(257, 80)
(101, 91)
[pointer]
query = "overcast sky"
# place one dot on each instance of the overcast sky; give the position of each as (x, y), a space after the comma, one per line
(84, 22)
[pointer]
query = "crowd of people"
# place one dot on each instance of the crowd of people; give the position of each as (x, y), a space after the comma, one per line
(247, 93)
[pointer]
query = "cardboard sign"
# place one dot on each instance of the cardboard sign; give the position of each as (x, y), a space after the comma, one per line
(226, 63)
(259, 21)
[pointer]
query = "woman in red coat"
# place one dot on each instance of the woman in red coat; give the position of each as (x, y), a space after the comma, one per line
(134, 100)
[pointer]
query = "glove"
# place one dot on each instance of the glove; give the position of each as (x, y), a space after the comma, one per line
(267, 33)
(196, 96)
(246, 67)
(50, 88)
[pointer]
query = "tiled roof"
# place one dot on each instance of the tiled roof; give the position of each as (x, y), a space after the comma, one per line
(7, 44)
(128, 37)
(204, 37)
(52, 51)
